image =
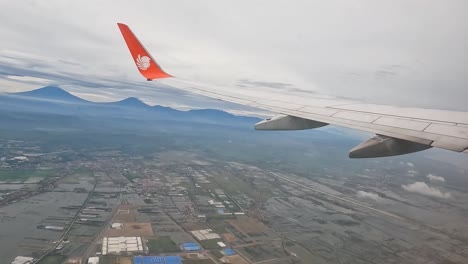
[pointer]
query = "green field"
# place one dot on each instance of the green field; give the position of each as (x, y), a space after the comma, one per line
(210, 244)
(131, 176)
(23, 175)
(56, 259)
(162, 244)
(218, 225)
(217, 254)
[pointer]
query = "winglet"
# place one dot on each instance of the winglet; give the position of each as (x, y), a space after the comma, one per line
(145, 63)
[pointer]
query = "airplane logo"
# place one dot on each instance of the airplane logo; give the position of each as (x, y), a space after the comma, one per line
(143, 63)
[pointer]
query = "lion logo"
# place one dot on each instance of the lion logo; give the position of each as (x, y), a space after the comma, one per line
(143, 62)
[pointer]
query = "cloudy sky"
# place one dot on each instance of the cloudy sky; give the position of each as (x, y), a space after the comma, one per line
(404, 52)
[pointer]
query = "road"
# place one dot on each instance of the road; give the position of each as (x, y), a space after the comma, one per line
(347, 200)
(64, 235)
(98, 238)
(428, 229)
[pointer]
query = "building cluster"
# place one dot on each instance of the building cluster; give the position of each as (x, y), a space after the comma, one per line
(216, 204)
(117, 245)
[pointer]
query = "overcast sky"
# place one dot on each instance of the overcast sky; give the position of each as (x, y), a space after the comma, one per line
(404, 52)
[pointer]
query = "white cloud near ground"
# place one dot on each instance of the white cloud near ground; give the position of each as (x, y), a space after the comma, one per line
(424, 189)
(368, 195)
(435, 178)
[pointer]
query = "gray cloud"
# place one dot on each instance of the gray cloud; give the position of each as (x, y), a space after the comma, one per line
(423, 188)
(285, 87)
(385, 73)
(395, 52)
(94, 87)
(276, 85)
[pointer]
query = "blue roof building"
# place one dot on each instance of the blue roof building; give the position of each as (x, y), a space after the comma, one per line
(229, 251)
(190, 246)
(157, 260)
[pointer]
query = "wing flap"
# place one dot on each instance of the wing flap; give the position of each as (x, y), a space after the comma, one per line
(449, 130)
(318, 110)
(450, 143)
(356, 116)
(402, 123)
(443, 116)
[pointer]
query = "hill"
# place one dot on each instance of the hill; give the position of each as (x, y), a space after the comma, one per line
(54, 100)
(50, 93)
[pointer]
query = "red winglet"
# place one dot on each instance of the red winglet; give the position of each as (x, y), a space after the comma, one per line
(147, 66)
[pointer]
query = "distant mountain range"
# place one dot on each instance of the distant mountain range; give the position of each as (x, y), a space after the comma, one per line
(54, 100)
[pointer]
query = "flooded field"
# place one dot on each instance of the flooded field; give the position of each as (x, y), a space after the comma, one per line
(19, 221)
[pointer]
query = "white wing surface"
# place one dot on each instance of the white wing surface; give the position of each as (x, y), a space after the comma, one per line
(399, 130)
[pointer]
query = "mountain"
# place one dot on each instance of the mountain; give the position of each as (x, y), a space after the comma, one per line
(54, 100)
(131, 102)
(220, 115)
(55, 119)
(51, 93)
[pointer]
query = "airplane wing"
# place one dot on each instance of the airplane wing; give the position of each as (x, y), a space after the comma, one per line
(399, 130)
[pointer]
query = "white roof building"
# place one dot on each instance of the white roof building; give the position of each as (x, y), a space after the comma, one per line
(22, 260)
(221, 244)
(93, 260)
(213, 202)
(116, 245)
(116, 226)
(204, 234)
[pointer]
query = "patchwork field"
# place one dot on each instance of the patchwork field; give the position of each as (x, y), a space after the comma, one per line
(24, 175)
(248, 225)
(131, 229)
